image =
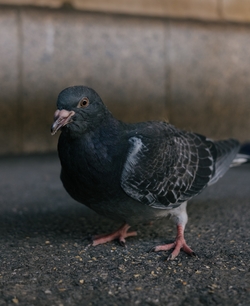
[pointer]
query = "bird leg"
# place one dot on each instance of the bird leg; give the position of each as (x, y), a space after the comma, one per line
(120, 234)
(180, 218)
(179, 244)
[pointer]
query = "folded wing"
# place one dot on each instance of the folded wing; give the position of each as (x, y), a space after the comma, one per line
(166, 166)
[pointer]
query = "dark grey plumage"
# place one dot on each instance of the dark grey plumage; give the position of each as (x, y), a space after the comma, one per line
(133, 172)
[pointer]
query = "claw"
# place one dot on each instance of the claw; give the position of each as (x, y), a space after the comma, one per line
(170, 257)
(122, 243)
(151, 250)
(87, 237)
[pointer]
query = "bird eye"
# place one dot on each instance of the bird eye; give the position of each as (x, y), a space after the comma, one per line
(83, 103)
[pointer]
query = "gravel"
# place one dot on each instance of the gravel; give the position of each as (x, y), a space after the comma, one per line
(46, 257)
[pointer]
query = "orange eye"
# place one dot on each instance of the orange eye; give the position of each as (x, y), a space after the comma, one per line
(83, 103)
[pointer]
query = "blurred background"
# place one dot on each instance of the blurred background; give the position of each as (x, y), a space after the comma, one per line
(185, 61)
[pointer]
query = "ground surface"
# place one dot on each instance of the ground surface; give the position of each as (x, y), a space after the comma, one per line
(45, 259)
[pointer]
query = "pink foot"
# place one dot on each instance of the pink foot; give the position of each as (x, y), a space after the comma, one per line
(120, 234)
(179, 244)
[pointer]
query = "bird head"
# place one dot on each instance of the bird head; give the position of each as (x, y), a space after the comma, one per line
(78, 108)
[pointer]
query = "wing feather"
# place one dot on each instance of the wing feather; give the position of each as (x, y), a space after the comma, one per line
(165, 171)
(166, 166)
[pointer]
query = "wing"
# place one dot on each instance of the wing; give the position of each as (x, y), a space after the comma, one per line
(166, 167)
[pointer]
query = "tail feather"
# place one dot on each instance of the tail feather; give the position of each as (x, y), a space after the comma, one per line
(226, 151)
(240, 159)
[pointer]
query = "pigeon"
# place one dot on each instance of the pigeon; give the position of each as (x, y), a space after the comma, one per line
(134, 172)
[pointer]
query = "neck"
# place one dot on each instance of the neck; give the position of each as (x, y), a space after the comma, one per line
(97, 148)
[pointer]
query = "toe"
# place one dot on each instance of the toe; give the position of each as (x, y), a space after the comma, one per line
(187, 249)
(164, 247)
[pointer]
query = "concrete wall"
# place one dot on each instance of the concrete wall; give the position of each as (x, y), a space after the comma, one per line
(216, 10)
(194, 73)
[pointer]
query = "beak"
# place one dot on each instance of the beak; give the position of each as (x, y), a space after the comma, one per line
(61, 118)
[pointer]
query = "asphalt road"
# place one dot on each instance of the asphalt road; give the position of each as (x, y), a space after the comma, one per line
(46, 260)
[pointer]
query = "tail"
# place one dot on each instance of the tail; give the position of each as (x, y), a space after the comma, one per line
(240, 159)
(227, 156)
(243, 156)
(225, 152)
